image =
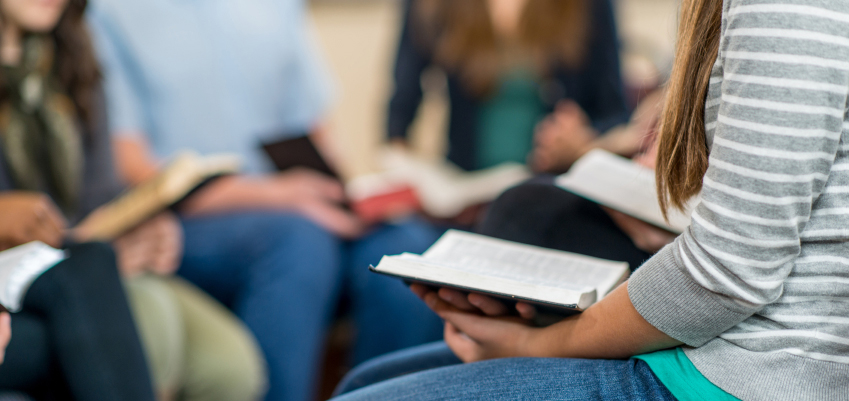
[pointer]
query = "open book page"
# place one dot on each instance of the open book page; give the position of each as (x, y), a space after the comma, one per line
(419, 268)
(525, 263)
(20, 266)
(444, 189)
(623, 185)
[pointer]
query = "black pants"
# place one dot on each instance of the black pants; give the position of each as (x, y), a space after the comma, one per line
(541, 214)
(76, 338)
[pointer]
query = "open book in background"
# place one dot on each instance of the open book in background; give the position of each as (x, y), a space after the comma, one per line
(620, 184)
(182, 175)
(558, 283)
(20, 266)
(441, 189)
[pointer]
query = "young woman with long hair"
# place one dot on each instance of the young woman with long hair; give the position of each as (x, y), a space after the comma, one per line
(76, 337)
(508, 64)
(750, 301)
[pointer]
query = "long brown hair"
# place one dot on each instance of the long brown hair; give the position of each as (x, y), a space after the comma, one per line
(75, 63)
(461, 36)
(682, 157)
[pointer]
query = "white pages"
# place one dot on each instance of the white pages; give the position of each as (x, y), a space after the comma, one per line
(20, 266)
(623, 185)
(479, 263)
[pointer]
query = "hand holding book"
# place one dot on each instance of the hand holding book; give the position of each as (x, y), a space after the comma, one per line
(27, 217)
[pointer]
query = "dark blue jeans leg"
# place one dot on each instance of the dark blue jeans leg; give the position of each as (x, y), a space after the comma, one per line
(505, 379)
(280, 273)
(387, 314)
(396, 364)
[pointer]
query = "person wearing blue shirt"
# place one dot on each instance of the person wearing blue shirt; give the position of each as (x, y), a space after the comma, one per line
(225, 76)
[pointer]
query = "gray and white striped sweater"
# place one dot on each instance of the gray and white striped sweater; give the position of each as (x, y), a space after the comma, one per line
(758, 286)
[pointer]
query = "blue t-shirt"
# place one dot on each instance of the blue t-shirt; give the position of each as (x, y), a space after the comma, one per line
(210, 75)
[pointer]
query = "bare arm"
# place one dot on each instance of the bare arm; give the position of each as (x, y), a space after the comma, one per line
(133, 157)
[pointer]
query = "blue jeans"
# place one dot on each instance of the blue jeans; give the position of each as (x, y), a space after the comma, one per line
(432, 372)
(282, 275)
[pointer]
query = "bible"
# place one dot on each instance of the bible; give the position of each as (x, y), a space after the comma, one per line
(623, 185)
(20, 267)
(183, 175)
(557, 283)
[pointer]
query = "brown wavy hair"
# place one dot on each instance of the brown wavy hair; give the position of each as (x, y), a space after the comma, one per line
(75, 63)
(682, 157)
(461, 37)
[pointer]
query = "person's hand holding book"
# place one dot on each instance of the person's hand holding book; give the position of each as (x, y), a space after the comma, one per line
(27, 217)
(312, 194)
(561, 138)
(476, 303)
(155, 246)
(477, 327)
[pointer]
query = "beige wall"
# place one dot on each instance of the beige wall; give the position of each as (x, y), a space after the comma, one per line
(358, 39)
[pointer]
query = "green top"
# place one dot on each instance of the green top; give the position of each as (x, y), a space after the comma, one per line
(506, 121)
(681, 377)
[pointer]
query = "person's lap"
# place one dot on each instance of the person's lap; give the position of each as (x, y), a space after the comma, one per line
(388, 315)
(438, 376)
(28, 357)
(282, 274)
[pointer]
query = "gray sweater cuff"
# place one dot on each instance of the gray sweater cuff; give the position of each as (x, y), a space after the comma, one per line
(670, 300)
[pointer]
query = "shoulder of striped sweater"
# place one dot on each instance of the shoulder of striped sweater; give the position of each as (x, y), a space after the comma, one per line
(809, 7)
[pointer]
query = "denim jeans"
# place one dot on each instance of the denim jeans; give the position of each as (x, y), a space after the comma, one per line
(432, 372)
(283, 274)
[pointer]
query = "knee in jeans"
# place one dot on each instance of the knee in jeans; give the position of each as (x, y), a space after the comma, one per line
(288, 229)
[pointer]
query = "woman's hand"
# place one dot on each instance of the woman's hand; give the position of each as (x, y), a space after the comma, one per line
(29, 216)
(5, 333)
(560, 139)
(316, 196)
(473, 337)
(155, 246)
(475, 303)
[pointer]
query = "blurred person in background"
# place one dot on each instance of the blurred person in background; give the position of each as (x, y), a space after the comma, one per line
(509, 64)
(542, 214)
(55, 168)
(277, 247)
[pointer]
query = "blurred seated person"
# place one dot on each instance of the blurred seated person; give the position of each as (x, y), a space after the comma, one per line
(567, 134)
(277, 247)
(75, 324)
(55, 168)
(539, 213)
(508, 64)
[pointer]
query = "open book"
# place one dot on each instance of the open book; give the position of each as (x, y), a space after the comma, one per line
(172, 184)
(20, 266)
(623, 185)
(555, 281)
(442, 189)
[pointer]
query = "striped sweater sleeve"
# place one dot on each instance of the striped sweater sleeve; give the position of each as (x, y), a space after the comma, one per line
(775, 114)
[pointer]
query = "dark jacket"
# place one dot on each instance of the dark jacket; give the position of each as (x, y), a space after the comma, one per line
(100, 182)
(597, 87)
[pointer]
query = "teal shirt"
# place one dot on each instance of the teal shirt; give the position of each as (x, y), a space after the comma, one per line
(681, 377)
(507, 120)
